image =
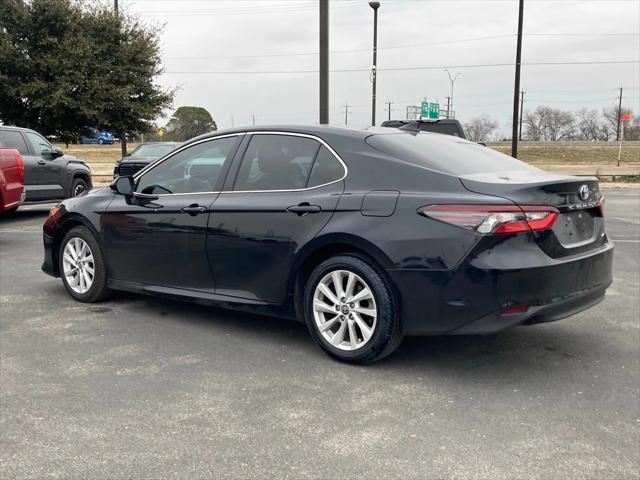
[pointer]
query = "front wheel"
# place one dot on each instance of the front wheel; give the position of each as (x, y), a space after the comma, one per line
(350, 310)
(82, 267)
(100, 142)
(79, 187)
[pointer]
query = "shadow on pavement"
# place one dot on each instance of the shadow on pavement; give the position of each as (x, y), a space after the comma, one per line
(518, 351)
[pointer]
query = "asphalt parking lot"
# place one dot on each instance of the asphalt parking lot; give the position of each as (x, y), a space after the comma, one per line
(143, 387)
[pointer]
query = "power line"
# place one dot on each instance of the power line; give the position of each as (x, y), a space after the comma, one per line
(297, 54)
(402, 69)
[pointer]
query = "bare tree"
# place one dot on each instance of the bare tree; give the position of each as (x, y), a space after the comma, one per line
(533, 123)
(478, 129)
(589, 125)
(559, 125)
(547, 123)
(610, 116)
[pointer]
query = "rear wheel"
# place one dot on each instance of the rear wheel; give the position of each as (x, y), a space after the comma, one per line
(82, 267)
(350, 310)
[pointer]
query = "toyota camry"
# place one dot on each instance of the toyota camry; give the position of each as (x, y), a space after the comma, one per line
(365, 235)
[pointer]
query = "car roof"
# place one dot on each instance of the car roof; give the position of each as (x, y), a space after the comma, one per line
(315, 130)
(19, 129)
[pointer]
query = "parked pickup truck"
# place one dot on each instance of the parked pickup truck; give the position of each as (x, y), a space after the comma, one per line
(11, 179)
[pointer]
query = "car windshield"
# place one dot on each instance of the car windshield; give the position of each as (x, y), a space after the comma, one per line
(445, 153)
(152, 150)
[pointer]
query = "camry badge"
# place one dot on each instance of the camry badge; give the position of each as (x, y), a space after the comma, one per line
(584, 192)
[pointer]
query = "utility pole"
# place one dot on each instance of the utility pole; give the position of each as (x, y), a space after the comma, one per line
(232, 125)
(389, 109)
(324, 62)
(253, 120)
(346, 114)
(521, 107)
(123, 134)
(516, 89)
(448, 107)
(374, 72)
(619, 116)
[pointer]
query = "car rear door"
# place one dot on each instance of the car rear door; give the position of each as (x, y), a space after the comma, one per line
(282, 191)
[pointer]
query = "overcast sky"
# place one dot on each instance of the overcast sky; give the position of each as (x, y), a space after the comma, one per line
(236, 36)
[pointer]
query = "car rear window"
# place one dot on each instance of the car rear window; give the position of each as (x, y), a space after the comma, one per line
(446, 154)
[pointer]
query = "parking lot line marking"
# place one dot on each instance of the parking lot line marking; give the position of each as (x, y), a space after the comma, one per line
(626, 241)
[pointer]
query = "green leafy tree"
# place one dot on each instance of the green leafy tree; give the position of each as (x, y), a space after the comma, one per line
(189, 122)
(66, 65)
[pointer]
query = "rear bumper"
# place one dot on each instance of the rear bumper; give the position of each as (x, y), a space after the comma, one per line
(549, 312)
(471, 299)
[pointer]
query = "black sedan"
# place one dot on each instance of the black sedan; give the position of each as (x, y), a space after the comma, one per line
(366, 236)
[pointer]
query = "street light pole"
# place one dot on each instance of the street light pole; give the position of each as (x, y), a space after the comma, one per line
(324, 62)
(375, 6)
(453, 81)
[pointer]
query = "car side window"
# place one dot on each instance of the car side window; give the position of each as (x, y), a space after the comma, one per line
(14, 139)
(276, 162)
(326, 168)
(38, 143)
(195, 169)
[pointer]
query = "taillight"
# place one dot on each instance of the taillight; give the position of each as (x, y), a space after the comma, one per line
(493, 218)
(20, 168)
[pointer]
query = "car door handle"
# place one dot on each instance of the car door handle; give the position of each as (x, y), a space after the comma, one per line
(194, 210)
(304, 209)
(41, 162)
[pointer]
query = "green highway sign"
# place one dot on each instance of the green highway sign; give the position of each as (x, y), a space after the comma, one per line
(425, 109)
(430, 110)
(434, 110)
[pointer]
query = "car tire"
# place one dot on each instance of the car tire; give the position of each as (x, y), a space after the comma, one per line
(358, 324)
(100, 141)
(83, 273)
(79, 187)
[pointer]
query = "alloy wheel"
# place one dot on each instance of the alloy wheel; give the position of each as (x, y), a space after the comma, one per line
(79, 189)
(344, 310)
(78, 265)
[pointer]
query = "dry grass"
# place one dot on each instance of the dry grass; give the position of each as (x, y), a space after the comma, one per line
(574, 154)
(96, 153)
(539, 154)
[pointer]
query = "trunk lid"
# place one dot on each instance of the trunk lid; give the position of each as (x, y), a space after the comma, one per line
(580, 226)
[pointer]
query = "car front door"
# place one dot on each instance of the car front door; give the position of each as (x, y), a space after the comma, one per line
(51, 172)
(15, 139)
(157, 236)
(278, 197)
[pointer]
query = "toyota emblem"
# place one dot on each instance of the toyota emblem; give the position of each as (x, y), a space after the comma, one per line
(584, 192)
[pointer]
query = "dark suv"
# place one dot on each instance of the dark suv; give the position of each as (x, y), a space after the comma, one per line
(446, 126)
(49, 174)
(143, 155)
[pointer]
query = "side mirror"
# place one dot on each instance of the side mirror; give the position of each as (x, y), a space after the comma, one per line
(123, 185)
(51, 153)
